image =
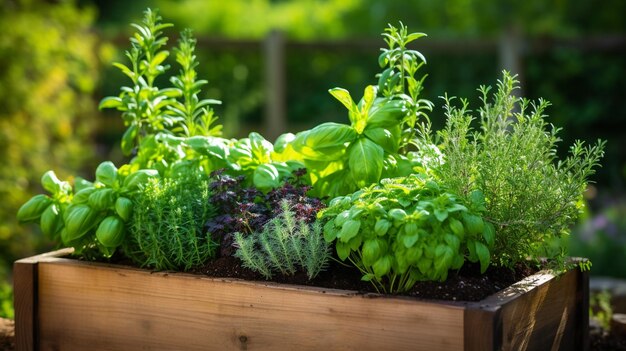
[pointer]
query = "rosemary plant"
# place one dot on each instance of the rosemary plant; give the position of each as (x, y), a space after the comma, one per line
(532, 197)
(166, 228)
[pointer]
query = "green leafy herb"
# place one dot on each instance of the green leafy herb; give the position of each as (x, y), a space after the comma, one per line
(531, 196)
(166, 227)
(383, 124)
(169, 129)
(407, 229)
(286, 244)
(90, 216)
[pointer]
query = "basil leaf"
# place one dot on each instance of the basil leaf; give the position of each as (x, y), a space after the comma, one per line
(365, 162)
(386, 113)
(326, 142)
(106, 173)
(266, 177)
(383, 137)
(344, 97)
(483, 255)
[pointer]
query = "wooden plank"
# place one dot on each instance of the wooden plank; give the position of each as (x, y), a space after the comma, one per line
(25, 300)
(543, 318)
(541, 312)
(482, 332)
(582, 316)
(114, 308)
(25, 305)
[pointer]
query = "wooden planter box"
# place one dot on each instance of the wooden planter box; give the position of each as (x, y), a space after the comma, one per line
(65, 304)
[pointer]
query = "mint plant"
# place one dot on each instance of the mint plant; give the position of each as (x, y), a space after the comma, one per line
(286, 245)
(408, 229)
(343, 158)
(532, 197)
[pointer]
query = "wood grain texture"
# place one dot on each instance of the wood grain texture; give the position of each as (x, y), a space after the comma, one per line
(112, 308)
(76, 305)
(25, 283)
(543, 317)
(541, 312)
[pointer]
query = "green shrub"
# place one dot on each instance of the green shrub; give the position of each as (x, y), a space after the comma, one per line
(407, 229)
(50, 66)
(166, 227)
(531, 196)
(285, 245)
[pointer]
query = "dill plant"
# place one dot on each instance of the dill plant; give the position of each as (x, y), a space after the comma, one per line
(532, 197)
(166, 228)
(285, 245)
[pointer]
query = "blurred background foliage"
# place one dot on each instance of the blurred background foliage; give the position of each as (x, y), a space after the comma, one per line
(48, 78)
(56, 58)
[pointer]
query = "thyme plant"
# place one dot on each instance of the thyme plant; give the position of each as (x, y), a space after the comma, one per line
(532, 197)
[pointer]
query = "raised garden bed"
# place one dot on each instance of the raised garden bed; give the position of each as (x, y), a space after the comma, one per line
(65, 304)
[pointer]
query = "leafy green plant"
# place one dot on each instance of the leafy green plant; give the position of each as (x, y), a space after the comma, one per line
(166, 227)
(343, 158)
(51, 62)
(169, 128)
(600, 308)
(403, 230)
(531, 196)
(285, 245)
(6, 300)
(246, 210)
(262, 164)
(90, 216)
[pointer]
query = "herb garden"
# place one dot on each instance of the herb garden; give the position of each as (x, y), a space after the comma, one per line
(358, 216)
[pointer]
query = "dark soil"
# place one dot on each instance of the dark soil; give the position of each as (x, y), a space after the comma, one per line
(465, 285)
(7, 335)
(603, 341)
